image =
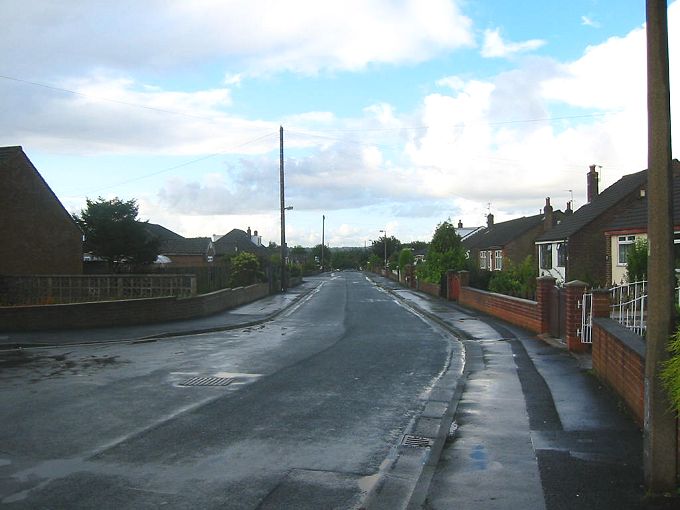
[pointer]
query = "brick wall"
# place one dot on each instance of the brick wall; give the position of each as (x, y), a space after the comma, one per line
(38, 235)
(433, 289)
(126, 312)
(619, 361)
(517, 311)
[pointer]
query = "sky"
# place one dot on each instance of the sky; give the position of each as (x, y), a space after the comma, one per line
(397, 115)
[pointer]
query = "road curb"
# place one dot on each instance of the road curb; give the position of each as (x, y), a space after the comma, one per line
(406, 483)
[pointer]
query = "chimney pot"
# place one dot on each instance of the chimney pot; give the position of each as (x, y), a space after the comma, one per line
(593, 184)
(460, 223)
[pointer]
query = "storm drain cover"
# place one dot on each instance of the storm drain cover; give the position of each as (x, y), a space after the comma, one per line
(207, 381)
(417, 441)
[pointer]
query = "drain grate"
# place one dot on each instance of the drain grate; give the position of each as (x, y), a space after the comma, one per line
(207, 381)
(417, 441)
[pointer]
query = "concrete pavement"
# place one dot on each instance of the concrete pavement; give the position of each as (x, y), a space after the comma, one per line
(533, 428)
(250, 314)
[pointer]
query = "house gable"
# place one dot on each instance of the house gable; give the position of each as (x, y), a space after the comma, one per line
(39, 235)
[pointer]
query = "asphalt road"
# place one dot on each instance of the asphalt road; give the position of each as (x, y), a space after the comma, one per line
(314, 404)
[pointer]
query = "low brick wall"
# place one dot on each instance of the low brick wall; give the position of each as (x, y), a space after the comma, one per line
(432, 289)
(517, 311)
(619, 361)
(125, 312)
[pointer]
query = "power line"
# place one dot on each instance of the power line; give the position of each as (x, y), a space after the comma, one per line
(108, 100)
(187, 163)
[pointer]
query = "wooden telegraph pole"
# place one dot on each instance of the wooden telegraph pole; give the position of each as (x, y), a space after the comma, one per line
(660, 428)
(283, 214)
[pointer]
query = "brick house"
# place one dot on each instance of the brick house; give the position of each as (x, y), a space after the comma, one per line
(237, 241)
(178, 251)
(511, 240)
(38, 235)
(631, 225)
(576, 249)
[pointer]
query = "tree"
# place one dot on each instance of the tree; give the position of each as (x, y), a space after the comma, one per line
(405, 258)
(636, 262)
(378, 246)
(446, 253)
(245, 269)
(113, 232)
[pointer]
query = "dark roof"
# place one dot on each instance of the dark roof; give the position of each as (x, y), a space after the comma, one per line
(185, 246)
(500, 234)
(600, 204)
(237, 241)
(9, 152)
(635, 217)
(161, 232)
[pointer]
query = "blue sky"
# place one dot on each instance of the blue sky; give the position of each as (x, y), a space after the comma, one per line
(397, 115)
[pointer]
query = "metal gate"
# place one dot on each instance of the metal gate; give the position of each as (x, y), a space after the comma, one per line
(586, 330)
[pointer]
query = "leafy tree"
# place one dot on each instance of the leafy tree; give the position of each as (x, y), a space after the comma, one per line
(327, 255)
(416, 245)
(446, 253)
(393, 246)
(637, 261)
(405, 257)
(113, 232)
(245, 269)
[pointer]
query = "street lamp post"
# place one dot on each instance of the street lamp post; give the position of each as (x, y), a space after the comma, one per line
(385, 232)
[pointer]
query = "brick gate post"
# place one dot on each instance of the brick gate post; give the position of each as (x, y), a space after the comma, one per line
(544, 286)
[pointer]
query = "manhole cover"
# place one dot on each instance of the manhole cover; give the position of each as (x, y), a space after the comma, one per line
(207, 381)
(417, 441)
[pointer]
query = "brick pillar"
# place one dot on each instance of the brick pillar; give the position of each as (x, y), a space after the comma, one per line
(452, 285)
(544, 287)
(575, 290)
(601, 303)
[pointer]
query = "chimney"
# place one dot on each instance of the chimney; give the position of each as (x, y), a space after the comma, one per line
(593, 184)
(249, 232)
(569, 209)
(547, 215)
(460, 223)
(489, 220)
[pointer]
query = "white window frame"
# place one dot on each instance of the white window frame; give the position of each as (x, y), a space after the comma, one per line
(543, 248)
(482, 259)
(627, 241)
(498, 260)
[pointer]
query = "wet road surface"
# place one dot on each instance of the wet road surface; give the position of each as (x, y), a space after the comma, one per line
(302, 412)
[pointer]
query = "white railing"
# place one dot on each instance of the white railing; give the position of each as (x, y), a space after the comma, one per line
(629, 306)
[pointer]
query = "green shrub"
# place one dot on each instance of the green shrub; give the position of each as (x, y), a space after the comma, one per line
(515, 280)
(670, 373)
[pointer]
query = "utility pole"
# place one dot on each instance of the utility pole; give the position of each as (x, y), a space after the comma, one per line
(283, 214)
(660, 429)
(385, 232)
(323, 233)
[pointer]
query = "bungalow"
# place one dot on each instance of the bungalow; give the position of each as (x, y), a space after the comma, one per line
(509, 240)
(178, 251)
(631, 225)
(38, 235)
(237, 241)
(576, 248)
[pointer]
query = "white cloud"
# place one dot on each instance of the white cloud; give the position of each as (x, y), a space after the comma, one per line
(248, 36)
(589, 22)
(495, 47)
